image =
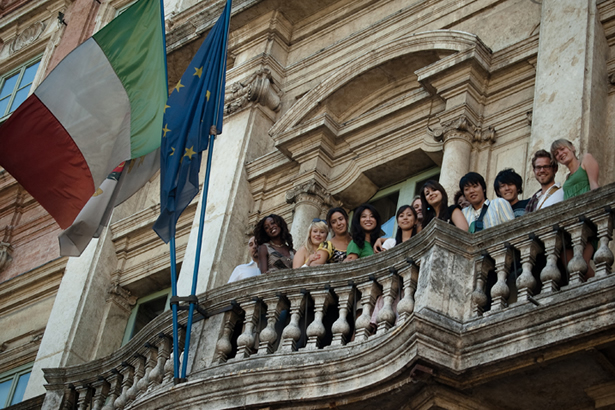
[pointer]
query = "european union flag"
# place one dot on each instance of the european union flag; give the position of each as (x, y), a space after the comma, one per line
(194, 106)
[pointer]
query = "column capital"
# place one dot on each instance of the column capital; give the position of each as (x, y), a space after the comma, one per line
(258, 88)
(463, 128)
(120, 296)
(313, 192)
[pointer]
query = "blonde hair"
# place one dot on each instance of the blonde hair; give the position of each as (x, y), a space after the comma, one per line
(308, 241)
(562, 143)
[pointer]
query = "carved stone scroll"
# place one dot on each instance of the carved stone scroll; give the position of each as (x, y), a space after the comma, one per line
(258, 88)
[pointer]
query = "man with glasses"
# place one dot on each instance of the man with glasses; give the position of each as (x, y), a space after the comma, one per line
(550, 192)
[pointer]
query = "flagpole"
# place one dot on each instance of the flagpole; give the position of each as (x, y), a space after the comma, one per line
(210, 150)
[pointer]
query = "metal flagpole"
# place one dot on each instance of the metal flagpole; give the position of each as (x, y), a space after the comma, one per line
(199, 243)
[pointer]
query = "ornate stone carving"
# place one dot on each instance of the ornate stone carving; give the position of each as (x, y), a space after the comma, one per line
(120, 296)
(462, 128)
(311, 191)
(259, 88)
(27, 37)
(6, 255)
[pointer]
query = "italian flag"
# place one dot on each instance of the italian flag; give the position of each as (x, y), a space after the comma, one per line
(103, 104)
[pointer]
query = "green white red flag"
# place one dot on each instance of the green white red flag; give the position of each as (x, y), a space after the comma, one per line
(103, 104)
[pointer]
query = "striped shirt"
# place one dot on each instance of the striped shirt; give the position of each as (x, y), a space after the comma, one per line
(499, 211)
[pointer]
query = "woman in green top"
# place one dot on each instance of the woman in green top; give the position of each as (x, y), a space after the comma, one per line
(583, 175)
(365, 230)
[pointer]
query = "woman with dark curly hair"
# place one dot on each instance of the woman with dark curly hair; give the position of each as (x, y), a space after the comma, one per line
(435, 205)
(365, 230)
(275, 244)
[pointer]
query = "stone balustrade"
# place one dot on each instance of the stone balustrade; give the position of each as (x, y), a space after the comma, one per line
(453, 300)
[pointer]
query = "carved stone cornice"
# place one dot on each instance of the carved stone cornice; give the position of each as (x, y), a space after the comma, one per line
(6, 255)
(311, 191)
(463, 128)
(121, 297)
(258, 88)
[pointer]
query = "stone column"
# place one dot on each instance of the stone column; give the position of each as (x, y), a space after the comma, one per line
(77, 314)
(571, 81)
(311, 201)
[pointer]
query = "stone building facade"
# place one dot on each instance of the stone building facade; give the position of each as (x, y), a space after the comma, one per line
(335, 103)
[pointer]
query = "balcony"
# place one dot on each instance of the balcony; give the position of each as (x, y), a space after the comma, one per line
(492, 320)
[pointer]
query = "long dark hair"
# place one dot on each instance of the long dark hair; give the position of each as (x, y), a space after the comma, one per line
(357, 233)
(334, 210)
(261, 236)
(398, 235)
(428, 212)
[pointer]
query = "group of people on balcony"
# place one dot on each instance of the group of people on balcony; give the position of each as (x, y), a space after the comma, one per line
(272, 246)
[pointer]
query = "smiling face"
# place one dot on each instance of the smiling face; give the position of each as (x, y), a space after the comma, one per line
(406, 220)
(338, 224)
(433, 197)
(367, 221)
(317, 235)
(474, 194)
(416, 204)
(463, 202)
(564, 155)
(509, 192)
(271, 228)
(543, 171)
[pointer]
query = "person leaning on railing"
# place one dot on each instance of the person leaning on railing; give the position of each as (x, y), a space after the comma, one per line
(250, 269)
(550, 192)
(334, 250)
(483, 213)
(509, 185)
(307, 254)
(275, 244)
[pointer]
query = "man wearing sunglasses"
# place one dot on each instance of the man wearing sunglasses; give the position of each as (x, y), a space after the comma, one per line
(550, 192)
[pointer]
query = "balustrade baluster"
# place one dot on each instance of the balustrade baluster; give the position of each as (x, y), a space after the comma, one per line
(157, 373)
(386, 316)
(341, 327)
(292, 332)
(131, 394)
(316, 330)
(268, 336)
(85, 396)
(500, 291)
(603, 258)
(115, 382)
(245, 341)
(550, 276)
(526, 283)
(405, 307)
(223, 346)
(168, 366)
(128, 373)
(101, 390)
(369, 293)
(482, 266)
(151, 359)
(577, 267)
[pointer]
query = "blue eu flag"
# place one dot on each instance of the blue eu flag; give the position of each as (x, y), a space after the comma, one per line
(194, 106)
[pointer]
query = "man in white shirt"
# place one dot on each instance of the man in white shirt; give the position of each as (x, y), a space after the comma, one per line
(550, 192)
(482, 213)
(247, 270)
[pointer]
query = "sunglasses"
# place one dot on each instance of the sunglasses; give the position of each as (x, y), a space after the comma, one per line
(319, 220)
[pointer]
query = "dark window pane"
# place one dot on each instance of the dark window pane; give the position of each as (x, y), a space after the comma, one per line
(148, 311)
(28, 75)
(9, 86)
(20, 97)
(21, 388)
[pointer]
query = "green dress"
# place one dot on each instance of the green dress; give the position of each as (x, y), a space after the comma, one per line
(576, 184)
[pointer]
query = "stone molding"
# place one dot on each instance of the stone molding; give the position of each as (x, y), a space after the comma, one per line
(311, 191)
(27, 37)
(259, 88)
(463, 128)
(6, 255)
(121, 297)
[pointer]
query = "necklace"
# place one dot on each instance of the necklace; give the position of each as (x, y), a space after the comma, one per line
(276, 246)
